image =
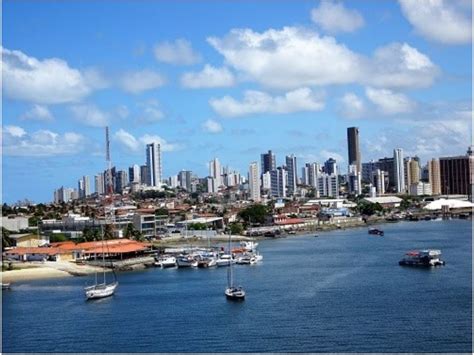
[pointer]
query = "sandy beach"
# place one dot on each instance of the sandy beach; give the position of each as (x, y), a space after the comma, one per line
(37, 271)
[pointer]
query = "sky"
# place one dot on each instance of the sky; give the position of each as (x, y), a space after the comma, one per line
(227, 79)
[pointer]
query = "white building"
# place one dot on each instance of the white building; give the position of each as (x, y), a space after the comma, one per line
(279, 179)
(378, 180)
(174, 181)
(215, 171)
(134, 173)
(328, 185)
(254, 182)
(266, 181)
(99, 184)
(354, 180)
(212, 185)
(153, 162)
(399, 170)
(420, 188)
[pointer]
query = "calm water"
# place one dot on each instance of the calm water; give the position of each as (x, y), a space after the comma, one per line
(343, 291)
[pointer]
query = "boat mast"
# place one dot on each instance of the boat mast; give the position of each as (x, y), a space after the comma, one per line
(229, 271)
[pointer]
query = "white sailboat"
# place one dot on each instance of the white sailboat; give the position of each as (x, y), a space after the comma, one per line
(233, 292)
(104, 289)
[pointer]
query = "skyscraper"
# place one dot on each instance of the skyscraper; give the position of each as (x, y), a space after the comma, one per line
(215, 171)
(330, 166)
(292, 173)
(134, 174)
(454, 175)
(185, 179)
(268, 162)
(153, 161)
(353, 148)
(144, 176)
(399, 170)
(86, 185)
(278, 178)
(254, 182)
(99, 184)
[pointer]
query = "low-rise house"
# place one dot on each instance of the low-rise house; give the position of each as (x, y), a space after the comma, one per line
(29, 240)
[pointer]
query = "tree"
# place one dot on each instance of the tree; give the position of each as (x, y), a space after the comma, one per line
(405, 203)
(236, 228)
(108, 232)
(57, 237)
(254, 214)
(197, 226)
(33, 221)
(6, 240)
(130, 231)
(161, 212)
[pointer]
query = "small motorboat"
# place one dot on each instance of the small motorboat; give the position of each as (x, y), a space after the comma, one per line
(246, 260)
(166, 261)
(376, 231)
(186, 261)
(224, 260)
(316, 236)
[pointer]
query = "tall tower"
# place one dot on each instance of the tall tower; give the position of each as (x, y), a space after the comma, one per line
(268, 162)
(153, 162)
(434, 176)
(292, 174)
(109, 185)
(399, 170)
(215, 171)
(254, 182)
(353, 148)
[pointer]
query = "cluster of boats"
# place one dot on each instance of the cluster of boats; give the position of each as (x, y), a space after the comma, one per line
(205, 258)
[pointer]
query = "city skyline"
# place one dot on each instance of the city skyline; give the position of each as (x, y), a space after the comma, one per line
(197, 90)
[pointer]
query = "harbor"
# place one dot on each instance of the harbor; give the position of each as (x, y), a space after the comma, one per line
(303, 296)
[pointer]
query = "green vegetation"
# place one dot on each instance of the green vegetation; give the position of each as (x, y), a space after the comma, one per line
(161, 212)
(254, 214)
(197, 226)
(368, 209)
(6, 240)
(236, 228)
(132, 233)
(57, 237)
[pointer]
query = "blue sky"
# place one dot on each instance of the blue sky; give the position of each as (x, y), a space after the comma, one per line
(227, 79)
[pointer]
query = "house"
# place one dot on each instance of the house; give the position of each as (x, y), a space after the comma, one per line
(29, 240)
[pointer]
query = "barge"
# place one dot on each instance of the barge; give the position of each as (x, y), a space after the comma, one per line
(425, 258)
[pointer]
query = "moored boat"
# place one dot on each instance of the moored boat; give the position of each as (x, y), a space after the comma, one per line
(101, 290)
(376, 231)
(224, 260)
(186, 261)
(166, 261)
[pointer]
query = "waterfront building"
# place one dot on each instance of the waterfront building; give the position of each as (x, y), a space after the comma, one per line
(455, 175)
(378, 181)
(153, 162)
(292, 174)
(268, 162)
(420, 188)
(434, 176)
(353, 148)
(279, 179)
(254, 182)
(185, 179)
(134, 174)
(330, 167)
(399, 169)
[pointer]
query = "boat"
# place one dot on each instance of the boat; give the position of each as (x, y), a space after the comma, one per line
(6, 286)
(166, 261)
(232, 292)
(104, 289)
(186, 261)
(224, 260)
(426, 258)
(376, 231)
(249, 245)
(246, 259)
(206, 262)
(316, 236)
(258, 257)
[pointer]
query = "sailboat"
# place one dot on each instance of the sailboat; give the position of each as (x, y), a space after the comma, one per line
(103, 289)
(233, 292)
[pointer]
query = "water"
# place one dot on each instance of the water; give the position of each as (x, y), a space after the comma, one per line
(343, 291)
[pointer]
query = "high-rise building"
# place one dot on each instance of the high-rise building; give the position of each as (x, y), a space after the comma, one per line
(330, 167)
(134, 174)
(388, 165)
(99, 185)
(399, 169)
(109, 180)
(173, 181)
(455, 175)
(353, 148)
(378, 181)
(144, 176)
(354, 180)
(153, 162)
(185, 179)
(292, 175)
(268, 162)
(279, 178)
(368, 170)
(215, 171)
(254, 182)
(212, 186)
(314, 170)
(266, 181)
(121, 180)
(328, 185)
(80, 188)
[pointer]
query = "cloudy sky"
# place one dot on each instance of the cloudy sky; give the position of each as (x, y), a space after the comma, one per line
(227, 79)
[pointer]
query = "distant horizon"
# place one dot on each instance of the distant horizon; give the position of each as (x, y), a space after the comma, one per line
(230, 80)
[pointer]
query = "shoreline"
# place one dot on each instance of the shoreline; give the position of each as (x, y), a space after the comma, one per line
(39, 271)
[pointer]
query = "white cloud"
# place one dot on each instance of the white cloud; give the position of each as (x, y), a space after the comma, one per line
(151, 112)
(212, 126)
(352, 106)
(37, 113)
(389, 102)
(48, 81)
(333, 17)
(137, 145)
(258, 102)
(90, 115)
(139, 81)
(294, 56)
(209, 77)
(14, 131)
(178, 52)
(17, 142)
(122, 111)
(444, 21)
